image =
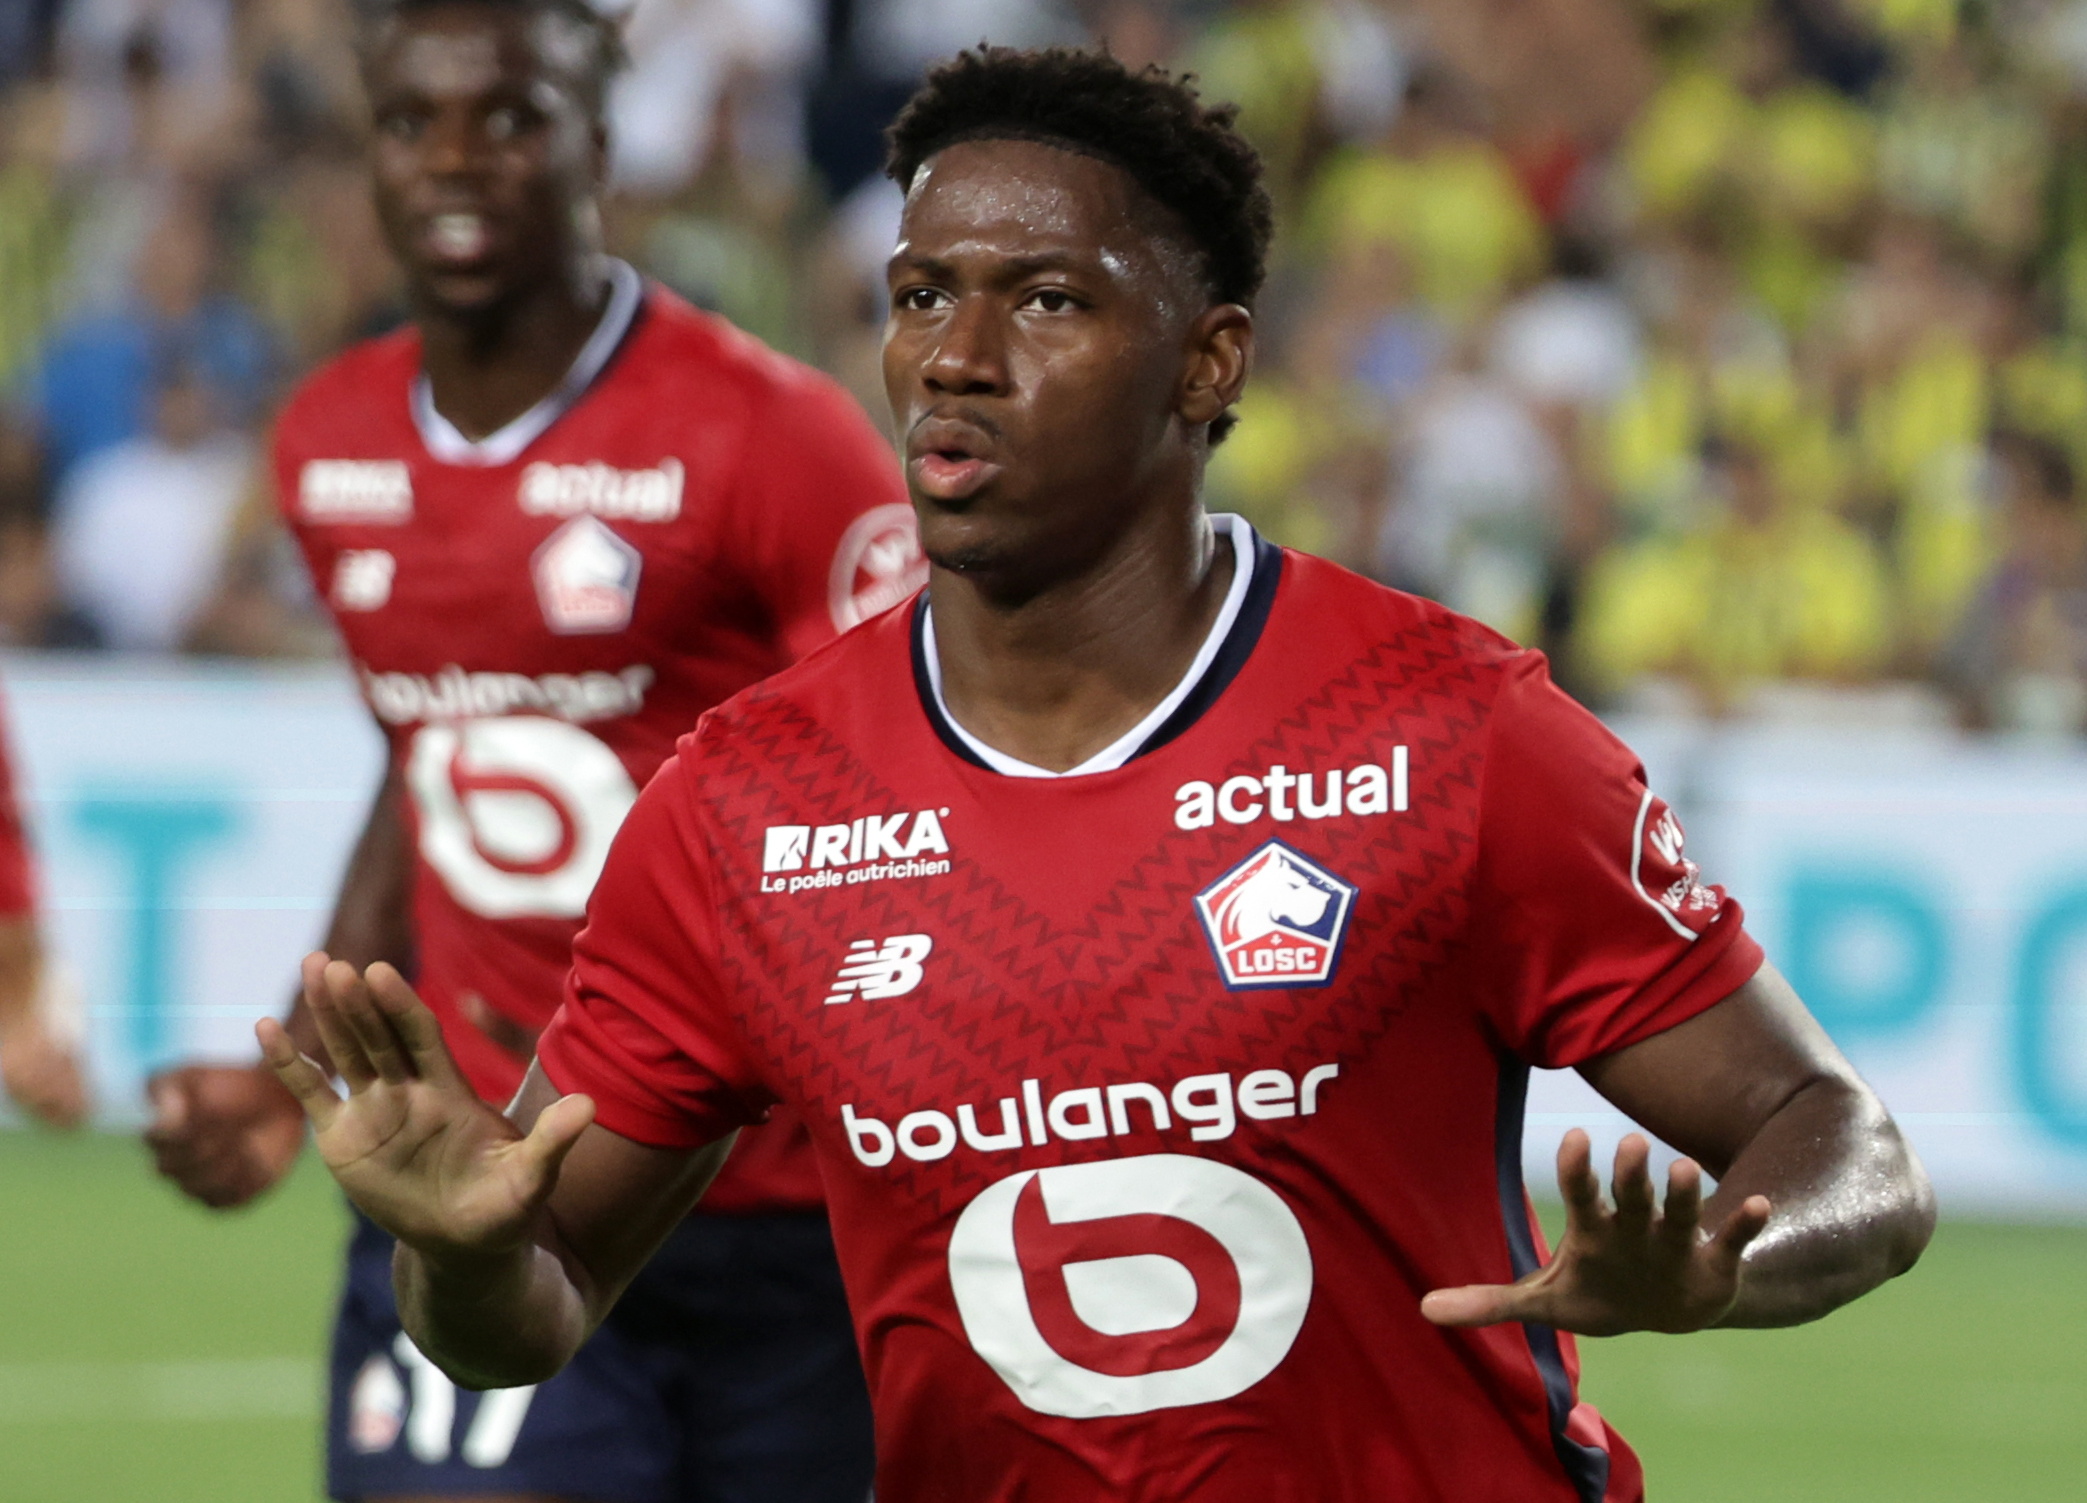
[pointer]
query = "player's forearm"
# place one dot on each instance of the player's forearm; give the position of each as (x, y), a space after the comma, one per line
(498, 1322)
(1852, 1206)
(21, 970)
(371, 915)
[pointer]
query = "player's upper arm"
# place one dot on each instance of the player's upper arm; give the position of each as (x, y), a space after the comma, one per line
(829, 534)
(1591, 927)
(1708, 1084)
(616, 1198)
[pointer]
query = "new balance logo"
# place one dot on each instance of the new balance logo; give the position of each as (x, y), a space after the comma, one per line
(874, 972)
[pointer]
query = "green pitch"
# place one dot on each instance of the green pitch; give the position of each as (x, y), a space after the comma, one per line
(153, 1353)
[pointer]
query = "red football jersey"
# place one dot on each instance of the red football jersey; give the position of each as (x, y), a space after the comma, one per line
(17, 865)
(535, 618)
(1152, 1100)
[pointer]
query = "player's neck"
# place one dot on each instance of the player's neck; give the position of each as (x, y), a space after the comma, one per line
(1060, 676)
(484, 370)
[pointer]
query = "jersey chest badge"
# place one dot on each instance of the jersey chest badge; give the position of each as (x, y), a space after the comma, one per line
(1276, 919)
(586, 578)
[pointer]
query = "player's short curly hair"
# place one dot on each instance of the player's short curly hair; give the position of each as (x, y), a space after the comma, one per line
(1185, 155)
(599, 53)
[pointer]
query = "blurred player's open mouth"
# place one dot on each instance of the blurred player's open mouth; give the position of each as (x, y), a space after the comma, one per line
(456, 240)
(945, 460)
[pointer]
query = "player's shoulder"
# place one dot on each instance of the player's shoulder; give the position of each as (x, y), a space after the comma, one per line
(850, 687)
(679, 343)
(1342, 612)
(358, 395)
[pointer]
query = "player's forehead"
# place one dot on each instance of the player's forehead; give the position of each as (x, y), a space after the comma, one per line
(466, 49)
(1017, 201)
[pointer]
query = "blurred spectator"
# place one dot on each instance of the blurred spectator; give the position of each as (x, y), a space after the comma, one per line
(95, 386)
(1477, 495)
(139, 528)
(1436, 189)
(2019, 661)
(1759, 588)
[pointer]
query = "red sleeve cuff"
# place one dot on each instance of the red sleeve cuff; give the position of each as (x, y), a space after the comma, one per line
(1716, 965)
(579, 1059)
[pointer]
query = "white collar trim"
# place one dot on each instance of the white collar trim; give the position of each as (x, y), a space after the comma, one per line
(446, 443)
(1124, 747)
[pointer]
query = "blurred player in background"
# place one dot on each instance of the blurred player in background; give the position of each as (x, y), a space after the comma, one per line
(555, 522)
(1224, 902)
(40, 1063)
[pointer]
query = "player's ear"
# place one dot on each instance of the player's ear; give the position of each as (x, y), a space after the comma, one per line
(1220, 356)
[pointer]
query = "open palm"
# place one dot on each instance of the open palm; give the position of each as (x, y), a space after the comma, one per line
(411, 1143)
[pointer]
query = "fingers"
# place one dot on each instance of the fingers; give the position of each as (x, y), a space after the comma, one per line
(349, 1058)
(1631, 1183)
(358, 1008)
(558, 1127)
(1682, 1219)
(172, 1109)
(1746, 1222)
(1576, 1181)
(299, 1075)
(415, 1026)
(1475, 1305)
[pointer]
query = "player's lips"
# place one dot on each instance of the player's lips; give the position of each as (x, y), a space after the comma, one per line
(948, 460)
(952, 477)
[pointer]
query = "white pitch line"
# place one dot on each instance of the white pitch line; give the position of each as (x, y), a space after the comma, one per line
(234, 1388)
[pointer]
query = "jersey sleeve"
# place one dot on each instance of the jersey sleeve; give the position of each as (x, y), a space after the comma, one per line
(644, 1029)
(1594, 929)
(827, 533)
(17, 868)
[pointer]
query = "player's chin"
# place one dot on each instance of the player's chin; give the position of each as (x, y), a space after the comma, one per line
(461, 292)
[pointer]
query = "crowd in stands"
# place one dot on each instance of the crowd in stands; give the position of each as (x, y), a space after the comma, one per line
(1733, 351)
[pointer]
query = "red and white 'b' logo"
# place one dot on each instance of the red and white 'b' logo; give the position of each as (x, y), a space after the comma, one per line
(1130, 1285)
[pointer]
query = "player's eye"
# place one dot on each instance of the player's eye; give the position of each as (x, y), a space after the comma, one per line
(505, 124)
(401, 125)
(919, 299)
(1051, 300)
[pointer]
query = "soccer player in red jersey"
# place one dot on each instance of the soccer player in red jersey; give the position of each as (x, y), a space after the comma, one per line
(1155, 929)
(555, 521)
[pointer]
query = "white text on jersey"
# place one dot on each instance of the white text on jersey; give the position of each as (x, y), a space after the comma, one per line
(1210, 1106)
(567, 490)
(1283, 795)
(869, 849)
(355, 490)
(454, 694)
(875, 972)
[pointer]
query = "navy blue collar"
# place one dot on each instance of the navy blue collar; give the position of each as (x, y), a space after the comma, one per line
(1231, 656)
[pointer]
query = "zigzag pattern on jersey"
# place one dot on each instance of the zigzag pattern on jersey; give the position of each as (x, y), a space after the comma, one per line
(1128, 991)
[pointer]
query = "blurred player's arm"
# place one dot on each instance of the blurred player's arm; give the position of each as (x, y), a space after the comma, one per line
(517, 1231)
(38, 1065)
(1819, 1197)
(225, 1133)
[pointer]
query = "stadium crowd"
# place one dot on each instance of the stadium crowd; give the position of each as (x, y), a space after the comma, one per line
(1735, 351)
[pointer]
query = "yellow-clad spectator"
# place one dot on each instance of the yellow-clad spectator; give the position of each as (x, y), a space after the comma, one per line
(1441, 193)
(2019, 660)
(1760, 589)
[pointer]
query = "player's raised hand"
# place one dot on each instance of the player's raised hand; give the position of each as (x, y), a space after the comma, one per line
(411, 1143)
(1634, 1267)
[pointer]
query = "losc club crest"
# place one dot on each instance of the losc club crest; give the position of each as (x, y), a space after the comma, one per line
(1276, 919)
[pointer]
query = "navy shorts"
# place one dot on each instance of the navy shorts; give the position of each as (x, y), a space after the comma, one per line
(726, 1374)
